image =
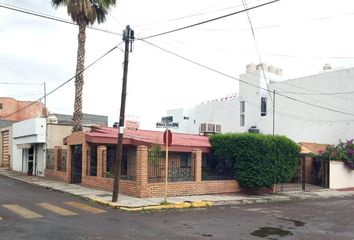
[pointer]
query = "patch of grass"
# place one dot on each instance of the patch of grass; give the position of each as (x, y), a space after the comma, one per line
(164, 202)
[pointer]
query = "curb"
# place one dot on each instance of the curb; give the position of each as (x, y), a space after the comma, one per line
(181, 205)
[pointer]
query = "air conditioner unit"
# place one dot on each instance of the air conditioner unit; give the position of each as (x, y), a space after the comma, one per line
(253, 129)
(207, 128)
(217, 128)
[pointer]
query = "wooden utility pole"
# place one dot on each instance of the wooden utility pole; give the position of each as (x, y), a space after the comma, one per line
(128, 38)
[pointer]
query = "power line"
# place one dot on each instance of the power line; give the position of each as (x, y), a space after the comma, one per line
(64, 83)
(191, 15)
(49, 17)
(280, 25)
(257, 48)
(240, 80)
(315, 92)
(207, 21)
(20, 83)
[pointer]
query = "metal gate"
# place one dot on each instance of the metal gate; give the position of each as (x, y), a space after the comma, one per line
(5, 149)
(76, 163)
(311, 173)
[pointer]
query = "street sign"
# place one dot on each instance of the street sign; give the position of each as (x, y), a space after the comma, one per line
(167, 125)
(167, 136)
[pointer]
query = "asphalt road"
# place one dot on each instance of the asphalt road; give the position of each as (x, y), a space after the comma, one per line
(31, 212)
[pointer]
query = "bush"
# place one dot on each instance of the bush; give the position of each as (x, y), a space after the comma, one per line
(259, 160)
(343, 151)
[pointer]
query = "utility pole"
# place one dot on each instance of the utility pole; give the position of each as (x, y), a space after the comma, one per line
(128, 38)
(273, 112)
(45, 99)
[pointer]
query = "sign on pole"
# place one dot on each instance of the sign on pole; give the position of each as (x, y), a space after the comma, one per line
(169, 138)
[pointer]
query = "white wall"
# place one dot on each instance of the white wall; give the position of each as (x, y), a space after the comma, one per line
(185, 125)
(16, 159)
(223, 112)
(30, 131)
(302, 122)
(294, 119)
(40, 159)
(340, 176)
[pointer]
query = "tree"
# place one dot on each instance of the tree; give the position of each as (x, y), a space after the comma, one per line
(83, 12)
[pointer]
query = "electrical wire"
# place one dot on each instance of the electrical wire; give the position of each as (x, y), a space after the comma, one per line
(240, 80)
(257, 48)
(191, 15)
(206, 21)
(20, 83)
(64, 83)
(49, 17)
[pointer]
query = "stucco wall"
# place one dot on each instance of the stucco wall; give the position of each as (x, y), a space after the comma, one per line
(302, 122)
(341, 177)
(56, 134)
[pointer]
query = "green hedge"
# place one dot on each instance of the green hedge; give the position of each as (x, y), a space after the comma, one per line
(259, 160)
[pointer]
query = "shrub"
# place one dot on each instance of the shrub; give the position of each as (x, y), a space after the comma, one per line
(259, 160)
(343, 151)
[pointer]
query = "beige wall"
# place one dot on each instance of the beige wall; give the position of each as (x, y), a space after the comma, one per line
(340, 176)
(56, 133)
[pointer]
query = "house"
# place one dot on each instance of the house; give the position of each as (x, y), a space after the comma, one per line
(191, 166)
(314, 108)
(33, 140)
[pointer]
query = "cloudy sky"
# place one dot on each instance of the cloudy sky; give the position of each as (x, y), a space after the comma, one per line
(299, 36)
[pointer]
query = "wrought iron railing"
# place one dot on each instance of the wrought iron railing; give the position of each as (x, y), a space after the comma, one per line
(128, 163)
(180, 167)
(215, 167)
(50, 159)
(62, 160)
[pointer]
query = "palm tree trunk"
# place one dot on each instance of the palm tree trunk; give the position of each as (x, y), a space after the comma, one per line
(79, 79)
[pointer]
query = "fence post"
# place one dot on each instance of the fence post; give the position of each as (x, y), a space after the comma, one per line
(303, 177)
(56, 157)
(100, 167)
(198, 164)
(141, 171)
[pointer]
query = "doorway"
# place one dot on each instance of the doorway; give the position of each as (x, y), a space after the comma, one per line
(30, 162)
(76, 163)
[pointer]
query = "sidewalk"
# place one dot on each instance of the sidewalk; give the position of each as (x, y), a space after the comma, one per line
(134, 204)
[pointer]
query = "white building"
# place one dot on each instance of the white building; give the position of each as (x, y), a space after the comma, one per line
(315, 108)
(28, 152)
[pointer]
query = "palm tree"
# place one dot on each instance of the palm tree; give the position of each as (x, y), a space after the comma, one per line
(83, 12)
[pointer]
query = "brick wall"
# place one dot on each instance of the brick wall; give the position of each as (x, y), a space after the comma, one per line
(57, 175)
(190, 188)
(140, 187)
(11, 105)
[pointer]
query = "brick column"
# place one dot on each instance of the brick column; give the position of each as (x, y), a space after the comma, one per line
(101, 161)
(56, 157)
(198, 164)
(141, 169)
(85, 161)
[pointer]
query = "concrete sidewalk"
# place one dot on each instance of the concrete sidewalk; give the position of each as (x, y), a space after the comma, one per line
(133, 203)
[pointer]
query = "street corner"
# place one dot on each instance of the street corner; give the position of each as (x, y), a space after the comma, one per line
(103, 202)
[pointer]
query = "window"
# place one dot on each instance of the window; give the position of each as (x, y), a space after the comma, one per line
(185, 160)
(0, 106)
(242, 107)
(242, 120)
(186, 118)
(263, 106)
(93, 160)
